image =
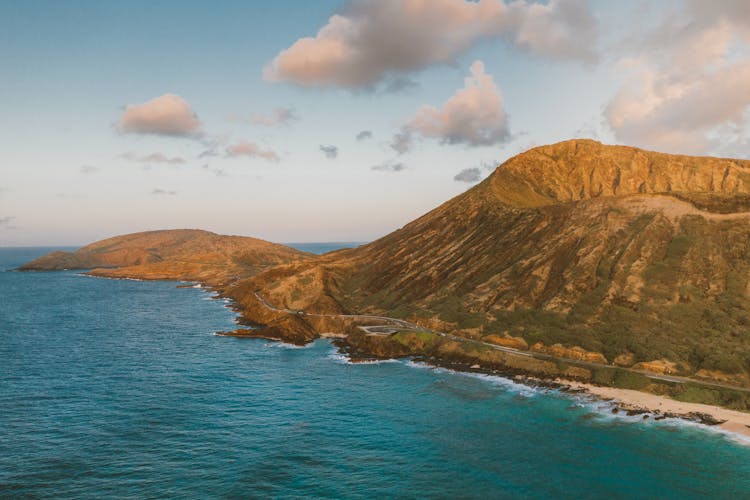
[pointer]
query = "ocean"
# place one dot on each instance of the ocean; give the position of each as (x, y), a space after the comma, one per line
(119, 388)
(324, 247)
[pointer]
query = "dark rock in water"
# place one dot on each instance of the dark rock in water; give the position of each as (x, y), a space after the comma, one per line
(615, 410)
(645, 417)
(634, 412)
(706, 419)
(660, 417)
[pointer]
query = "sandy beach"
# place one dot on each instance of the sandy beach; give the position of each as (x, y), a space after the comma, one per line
(735, 421)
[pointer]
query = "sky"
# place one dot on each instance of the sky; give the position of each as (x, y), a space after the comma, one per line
(333, 120)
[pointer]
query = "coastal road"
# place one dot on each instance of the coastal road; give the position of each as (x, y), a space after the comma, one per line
(406, 325)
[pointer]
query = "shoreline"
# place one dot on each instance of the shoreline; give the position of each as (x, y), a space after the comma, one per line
(629, 400)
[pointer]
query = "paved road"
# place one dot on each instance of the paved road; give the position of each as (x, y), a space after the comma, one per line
(406, 325)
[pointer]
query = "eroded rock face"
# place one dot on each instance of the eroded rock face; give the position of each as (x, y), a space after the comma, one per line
(583, 169)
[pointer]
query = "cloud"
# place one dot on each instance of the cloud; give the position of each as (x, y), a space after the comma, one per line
(251, 150)
(686, 84)
(6, 221)
(153, 158)
(208, 153)
(213, 145)
(168, 115)
(280, 116)
(89, 169)
(474, 115)
(163, 192)
(378, 41)
(469, 175)
(402, 141)
(365, 134)
(331, 152)
(216, 171)
(389, 167)
(399, 84)
(489, 165)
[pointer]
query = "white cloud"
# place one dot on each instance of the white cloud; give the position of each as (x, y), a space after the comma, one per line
(153, 158)
(375, 41)
(474, 115)
(365, 134)
(163, 192)
(686, 88)
(389, 166)
(251, 150)
(89, 169)
(169, 115)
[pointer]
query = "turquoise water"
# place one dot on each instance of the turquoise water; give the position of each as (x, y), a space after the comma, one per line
(118, 388)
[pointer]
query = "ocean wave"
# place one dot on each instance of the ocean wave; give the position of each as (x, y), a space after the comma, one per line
(596, 408)
(86, 275)
(497, 380)
(279, 344)
(602, 411)
(343, 359)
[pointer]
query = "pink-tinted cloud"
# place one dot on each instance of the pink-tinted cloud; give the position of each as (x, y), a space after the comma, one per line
(474, 115)
(251, 150)
(169, 115)
(686, 89)
(379, 40)
(279, 116)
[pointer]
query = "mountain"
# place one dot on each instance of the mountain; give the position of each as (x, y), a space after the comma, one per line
(579, 255)
(186, 254)
(577, 249)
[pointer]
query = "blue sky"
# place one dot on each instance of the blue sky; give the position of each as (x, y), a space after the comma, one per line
(84, 158)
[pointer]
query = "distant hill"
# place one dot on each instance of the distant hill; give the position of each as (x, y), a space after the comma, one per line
(187, 254)
(641, 257)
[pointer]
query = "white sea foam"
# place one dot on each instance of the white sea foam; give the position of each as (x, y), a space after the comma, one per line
(86, 275)
(338, 357)
(498, 380)
(343, 359)
(278, 344)
(602, 411)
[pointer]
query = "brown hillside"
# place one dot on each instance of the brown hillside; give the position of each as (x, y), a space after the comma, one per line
(187, 254)
(614, 249)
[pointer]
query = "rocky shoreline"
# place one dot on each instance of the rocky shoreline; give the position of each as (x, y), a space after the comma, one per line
(620, 400)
